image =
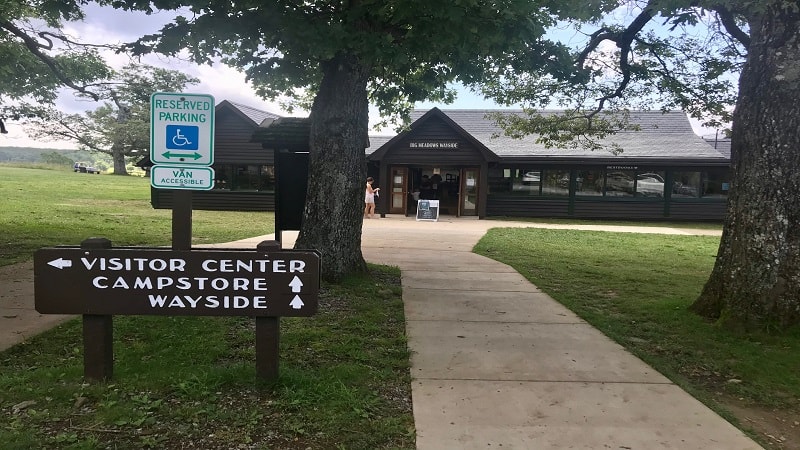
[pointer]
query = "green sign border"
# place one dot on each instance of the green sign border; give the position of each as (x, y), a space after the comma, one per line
(155, 158)
(167, 166)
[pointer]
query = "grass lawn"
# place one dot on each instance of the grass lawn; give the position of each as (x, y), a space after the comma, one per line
(183, 382)
(189, 382)
(42, 208)
(636, 289)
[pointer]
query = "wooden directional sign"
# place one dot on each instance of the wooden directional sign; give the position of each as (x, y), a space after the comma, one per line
(156, 281)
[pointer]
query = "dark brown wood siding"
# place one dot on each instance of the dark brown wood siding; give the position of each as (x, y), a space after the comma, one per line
(218, 200)
(518, 206)
(434, 130)
(616, 209)
(697, 210)
(232, 145)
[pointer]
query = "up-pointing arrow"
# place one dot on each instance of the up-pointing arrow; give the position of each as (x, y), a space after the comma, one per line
(296, 284)
(296, 303)
(60, 263)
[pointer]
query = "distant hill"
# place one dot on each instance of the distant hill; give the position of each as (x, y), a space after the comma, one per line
(32, 154)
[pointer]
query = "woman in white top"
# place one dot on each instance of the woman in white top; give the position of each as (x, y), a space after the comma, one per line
(369, 199)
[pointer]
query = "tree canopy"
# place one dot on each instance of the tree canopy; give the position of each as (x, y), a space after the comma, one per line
(44, 58)
(338, 56)
(754, 282)
(120, 126)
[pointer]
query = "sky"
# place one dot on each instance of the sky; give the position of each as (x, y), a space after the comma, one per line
(220, 81)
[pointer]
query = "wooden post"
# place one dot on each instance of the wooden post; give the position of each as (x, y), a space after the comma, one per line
(182, 220)
(98, 333)
(267, 333)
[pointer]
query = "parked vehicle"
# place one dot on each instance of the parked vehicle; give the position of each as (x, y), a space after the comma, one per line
(82, 167)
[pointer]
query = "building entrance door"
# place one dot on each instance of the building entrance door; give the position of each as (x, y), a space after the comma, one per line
(468, 201)
(399, 191)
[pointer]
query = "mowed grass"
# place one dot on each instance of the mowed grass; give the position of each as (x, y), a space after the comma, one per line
(189, 382)
(42, 208)
(636, 289)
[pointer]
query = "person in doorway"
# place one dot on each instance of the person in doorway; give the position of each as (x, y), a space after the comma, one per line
(436, 184)
(426, 188)
(369, 199)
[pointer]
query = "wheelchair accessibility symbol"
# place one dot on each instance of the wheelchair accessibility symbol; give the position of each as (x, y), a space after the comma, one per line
(182, 137)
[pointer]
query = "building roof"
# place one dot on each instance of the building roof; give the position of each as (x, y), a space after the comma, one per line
(721, 145)
(662, 136)
(256, 115)
(284, 133)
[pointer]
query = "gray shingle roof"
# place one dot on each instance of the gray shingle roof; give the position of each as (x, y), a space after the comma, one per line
(256, 115)
(663, 135)
(722, 145)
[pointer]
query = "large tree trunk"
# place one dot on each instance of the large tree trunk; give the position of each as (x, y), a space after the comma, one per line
(332, 216)
(118, 157)
(756, 279)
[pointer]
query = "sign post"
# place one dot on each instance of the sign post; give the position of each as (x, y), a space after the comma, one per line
(182, 151)
(265, 283)
(98, 332)
(98, 281)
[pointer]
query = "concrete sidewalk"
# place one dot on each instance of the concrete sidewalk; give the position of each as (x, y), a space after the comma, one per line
(498, 364)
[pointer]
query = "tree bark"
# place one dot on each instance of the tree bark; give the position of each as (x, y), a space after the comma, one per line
(118, 157)
(333, 213)
(755, 282)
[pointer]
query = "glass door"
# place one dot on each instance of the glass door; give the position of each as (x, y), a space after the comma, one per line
(399, 191)
(468, 202)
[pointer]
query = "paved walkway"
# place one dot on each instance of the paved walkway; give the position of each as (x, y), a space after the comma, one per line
(498, 364)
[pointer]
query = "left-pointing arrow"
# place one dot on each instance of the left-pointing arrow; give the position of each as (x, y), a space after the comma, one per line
(60, 263)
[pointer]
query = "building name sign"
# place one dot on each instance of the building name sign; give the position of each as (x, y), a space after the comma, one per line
(622, 167)
(432, 144)
(167, 282)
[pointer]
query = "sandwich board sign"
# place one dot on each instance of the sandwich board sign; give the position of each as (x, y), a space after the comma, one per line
(182, 129)
(428, 210)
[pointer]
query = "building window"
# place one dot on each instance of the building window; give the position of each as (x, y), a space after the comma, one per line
(529, 181)
(650, 184)
(716, 183)
(245, 177)
(685, 184)
(589, 183)
(555, 183)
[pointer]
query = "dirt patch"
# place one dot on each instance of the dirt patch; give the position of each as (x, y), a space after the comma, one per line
(776, 428)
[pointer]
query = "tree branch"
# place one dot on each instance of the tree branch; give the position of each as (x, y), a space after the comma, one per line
(624, 40)
(35, 48)
(729, 22)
